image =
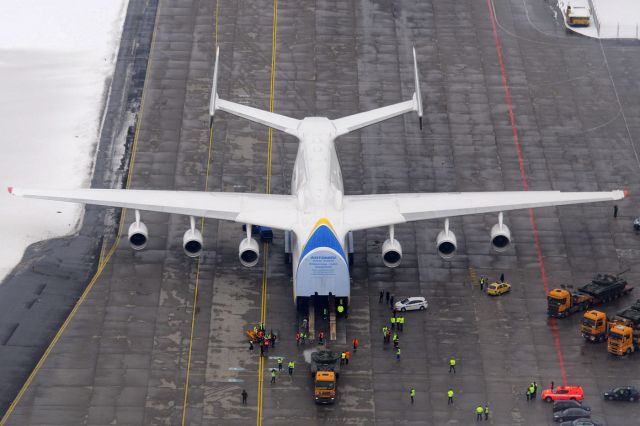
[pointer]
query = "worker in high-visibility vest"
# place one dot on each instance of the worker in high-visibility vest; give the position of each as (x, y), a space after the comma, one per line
(479, 412)
(450, 396)
(412, 393)
(452, 365)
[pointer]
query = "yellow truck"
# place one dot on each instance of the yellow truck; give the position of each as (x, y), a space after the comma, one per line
(624, 331)
(593, 326)
(602, 289)
(325, 370)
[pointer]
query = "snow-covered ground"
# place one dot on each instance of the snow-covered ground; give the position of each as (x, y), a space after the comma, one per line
(615, 19)
(56, 59)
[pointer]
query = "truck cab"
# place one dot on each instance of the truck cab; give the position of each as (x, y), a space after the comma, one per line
(558, 302)
(620, 340)
(324, 390)
(593, 326)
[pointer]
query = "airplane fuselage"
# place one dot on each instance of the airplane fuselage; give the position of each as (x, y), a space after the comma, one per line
(320, 259)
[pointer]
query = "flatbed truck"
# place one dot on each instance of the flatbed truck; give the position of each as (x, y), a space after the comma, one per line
(325, 370)
(624, 331)
(602, 289)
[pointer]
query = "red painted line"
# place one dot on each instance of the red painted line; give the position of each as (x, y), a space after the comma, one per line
(525, 184)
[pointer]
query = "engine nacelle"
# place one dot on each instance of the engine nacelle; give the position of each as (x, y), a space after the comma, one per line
(248, 252)
(391, 253)
(500, 237)
(446, 242)
(138, 234)
(192, 242)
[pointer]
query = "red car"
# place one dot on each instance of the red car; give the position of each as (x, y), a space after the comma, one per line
(561, 393)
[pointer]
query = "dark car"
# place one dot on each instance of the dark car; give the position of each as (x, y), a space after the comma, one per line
(625, 393)
(570, 403)
(570, 414)
(582, 422)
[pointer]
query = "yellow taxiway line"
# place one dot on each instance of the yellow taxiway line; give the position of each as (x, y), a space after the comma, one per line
(263, 302)
(103, 262)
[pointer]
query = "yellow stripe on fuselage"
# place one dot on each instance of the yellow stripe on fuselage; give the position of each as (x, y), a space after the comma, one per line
(321, 221)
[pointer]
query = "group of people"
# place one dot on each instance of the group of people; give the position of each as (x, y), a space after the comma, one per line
(390, 299)
(263, 339)
(274, 373)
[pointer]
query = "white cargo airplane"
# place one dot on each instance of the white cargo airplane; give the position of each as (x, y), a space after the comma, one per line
(317, 217)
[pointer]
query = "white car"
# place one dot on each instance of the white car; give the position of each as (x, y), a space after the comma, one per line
(411, 304)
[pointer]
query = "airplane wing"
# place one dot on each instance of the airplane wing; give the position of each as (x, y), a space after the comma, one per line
(275, 211)
(370, 211)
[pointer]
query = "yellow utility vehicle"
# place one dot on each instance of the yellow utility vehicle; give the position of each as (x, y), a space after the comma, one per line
(496, 289)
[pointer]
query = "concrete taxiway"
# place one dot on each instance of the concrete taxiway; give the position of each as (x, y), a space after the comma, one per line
(136, 344)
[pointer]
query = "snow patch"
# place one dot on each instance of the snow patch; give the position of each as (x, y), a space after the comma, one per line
(55, 61)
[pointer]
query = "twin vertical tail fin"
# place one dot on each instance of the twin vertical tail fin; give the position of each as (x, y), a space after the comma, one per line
(417, 97)
(214, 89)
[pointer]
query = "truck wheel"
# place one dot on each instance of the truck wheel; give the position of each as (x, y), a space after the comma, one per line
(548, 399)
(404, 309)
(631, 399)
(628, 352)
(610, 398)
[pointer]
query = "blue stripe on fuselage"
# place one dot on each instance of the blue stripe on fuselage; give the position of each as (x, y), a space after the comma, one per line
(323, 236)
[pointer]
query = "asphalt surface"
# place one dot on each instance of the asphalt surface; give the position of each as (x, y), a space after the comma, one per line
(124, 358)
(40, 292)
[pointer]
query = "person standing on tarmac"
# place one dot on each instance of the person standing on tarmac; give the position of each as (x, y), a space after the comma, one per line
(291, 366)
(479, 412)
(280, 361)
(452, 365)
(486, 412)
(347, 355)
(450, 397)
(381, 296)
(386, 294)
(412, 393)
(356, 343)
(244, 397)
(273, 375)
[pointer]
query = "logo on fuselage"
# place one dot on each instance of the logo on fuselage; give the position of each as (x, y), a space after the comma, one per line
(323, 264)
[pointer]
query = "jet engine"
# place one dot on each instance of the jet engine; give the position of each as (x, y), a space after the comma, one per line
(192, 240)
(500, 235)
(248, 251)
(446, 242)
(391, 250)
(138, 233)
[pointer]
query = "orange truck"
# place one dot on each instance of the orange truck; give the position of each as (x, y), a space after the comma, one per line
(624, 331)
(602, 289)
(593, 326)
(325, 370)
